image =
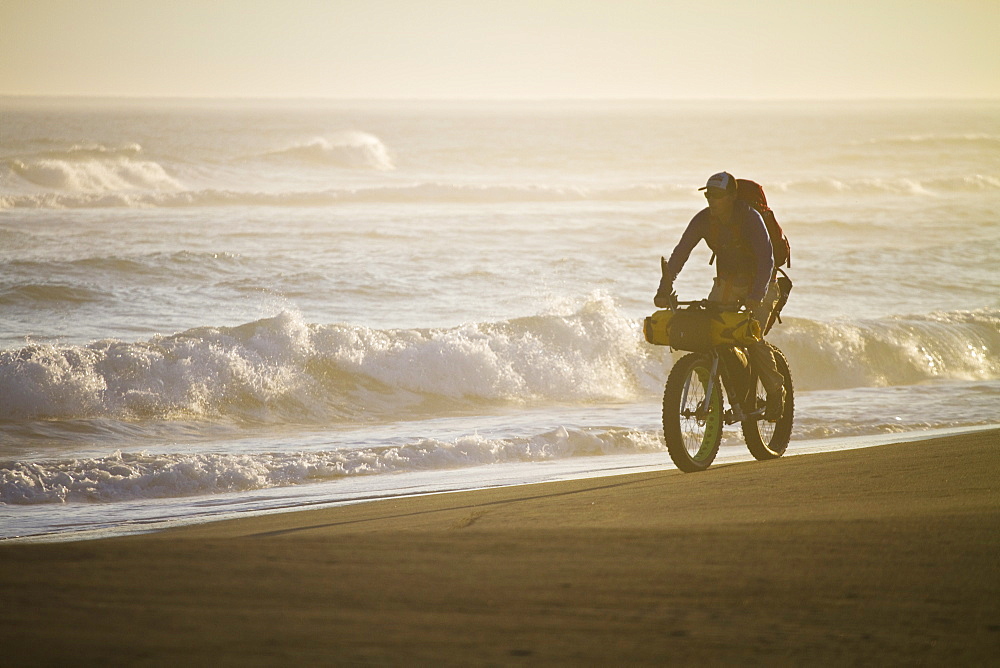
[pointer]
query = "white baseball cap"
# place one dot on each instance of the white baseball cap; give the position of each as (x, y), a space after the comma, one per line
(722, 181)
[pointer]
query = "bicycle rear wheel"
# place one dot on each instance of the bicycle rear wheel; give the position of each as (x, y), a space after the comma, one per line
(769, 440)
(692, 426)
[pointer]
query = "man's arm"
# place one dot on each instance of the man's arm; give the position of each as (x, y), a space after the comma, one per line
(696, 230)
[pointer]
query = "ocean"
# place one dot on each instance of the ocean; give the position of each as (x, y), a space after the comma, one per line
(219, 307)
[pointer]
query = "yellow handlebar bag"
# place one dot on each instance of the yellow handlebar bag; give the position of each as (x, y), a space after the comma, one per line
(700, 330)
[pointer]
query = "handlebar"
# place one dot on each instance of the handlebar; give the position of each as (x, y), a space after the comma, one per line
(708, 305)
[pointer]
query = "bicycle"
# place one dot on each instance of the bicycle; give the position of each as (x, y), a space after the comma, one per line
(693, 407)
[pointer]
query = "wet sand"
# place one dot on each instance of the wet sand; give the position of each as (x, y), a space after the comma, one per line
(886, 555)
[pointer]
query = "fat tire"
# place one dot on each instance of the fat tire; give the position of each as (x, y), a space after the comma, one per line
(762, 446)
(679, 432)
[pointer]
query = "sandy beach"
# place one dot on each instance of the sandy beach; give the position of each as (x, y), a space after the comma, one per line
(886, 555)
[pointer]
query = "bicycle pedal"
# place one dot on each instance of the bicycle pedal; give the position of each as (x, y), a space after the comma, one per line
(734, 415)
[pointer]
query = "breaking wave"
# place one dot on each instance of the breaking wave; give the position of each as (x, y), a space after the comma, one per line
(972, 183)
(355, 150)
(415, 193)
(126, 476)
(281, 370)
(149, 186)
(897, 350)
(90, 169)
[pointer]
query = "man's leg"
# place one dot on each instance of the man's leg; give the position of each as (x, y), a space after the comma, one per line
(762, 358)
(767, 369)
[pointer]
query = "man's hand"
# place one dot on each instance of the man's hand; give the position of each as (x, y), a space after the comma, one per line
(665, 301)
(665, 296)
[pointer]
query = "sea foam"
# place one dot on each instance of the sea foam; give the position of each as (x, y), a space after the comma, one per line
(93, 170)
(135, 184)
(125, 476)
(282, 369)
(407, 193)
(896, 350)
(353, 149)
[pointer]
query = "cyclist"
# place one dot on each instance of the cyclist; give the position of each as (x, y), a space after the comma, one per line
(744, 270)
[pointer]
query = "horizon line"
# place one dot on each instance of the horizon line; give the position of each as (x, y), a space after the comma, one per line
(290, 98)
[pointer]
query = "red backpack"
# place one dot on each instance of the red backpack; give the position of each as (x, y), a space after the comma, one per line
(751, 193)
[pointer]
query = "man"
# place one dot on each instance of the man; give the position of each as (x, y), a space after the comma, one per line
(744, 270)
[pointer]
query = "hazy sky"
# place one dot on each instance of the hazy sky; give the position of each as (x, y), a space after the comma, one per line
(502, 48)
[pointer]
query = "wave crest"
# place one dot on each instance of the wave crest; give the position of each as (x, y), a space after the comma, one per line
(395, 194)
(355, 150)
(125, 476)
(971, 183)
(281, 370)
(151, 187)
(92, 169)
(899, 350)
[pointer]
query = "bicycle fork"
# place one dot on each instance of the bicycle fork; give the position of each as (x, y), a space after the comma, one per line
(732, 416)
(702, 411)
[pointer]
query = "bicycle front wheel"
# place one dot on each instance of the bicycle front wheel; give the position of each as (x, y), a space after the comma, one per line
(692, 413)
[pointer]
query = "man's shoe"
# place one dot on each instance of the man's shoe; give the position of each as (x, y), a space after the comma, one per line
(775, 405)
(735, 415)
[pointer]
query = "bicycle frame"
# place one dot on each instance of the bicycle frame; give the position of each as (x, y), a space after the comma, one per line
(735, 414)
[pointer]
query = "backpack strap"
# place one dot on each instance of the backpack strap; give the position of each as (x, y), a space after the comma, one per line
(712, 239)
